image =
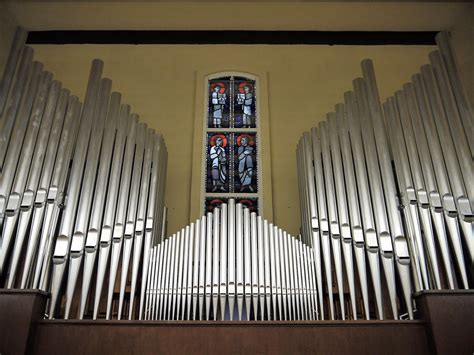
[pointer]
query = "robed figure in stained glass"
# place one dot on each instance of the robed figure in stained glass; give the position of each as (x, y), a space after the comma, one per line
(218, 100)
(245, 166)
(245, 99)
(218, 164)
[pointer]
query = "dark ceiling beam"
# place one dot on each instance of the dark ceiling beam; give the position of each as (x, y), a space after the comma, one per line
(235, 37)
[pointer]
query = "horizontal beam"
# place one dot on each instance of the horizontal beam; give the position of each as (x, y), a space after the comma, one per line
(235, 37)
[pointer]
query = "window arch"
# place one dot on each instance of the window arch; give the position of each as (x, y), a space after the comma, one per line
(231, 141)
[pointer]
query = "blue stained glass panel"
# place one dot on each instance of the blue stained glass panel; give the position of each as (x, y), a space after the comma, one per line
(244, 104)
(245, 162)
(219, 102)
(217, 158)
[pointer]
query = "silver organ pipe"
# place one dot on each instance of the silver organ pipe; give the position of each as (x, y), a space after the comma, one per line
(196, 261)
(62, 162)
(189, 282)
(391, 184)
(255, 265)
(323, 217)
(239, 258)
(202, 265)
(208, 264)
(277, 261)
(177, 289)
(222, 282)
(261, 261)
(269, 296)
(247, 267)
(216, 236)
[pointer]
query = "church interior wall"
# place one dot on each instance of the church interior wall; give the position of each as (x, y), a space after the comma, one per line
(161, 82)
(7, 30)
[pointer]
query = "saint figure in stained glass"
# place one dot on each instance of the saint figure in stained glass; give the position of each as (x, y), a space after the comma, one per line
(245, 164)
(245, 99)
(218, 158)
(218, 103)
(244, 104)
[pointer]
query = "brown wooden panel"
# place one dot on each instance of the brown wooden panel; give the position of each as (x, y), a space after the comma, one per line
(450, 320)
(445, 328)
(19, 309)
(328, 337)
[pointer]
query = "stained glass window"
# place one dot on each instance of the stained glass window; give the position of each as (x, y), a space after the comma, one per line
(231, 103)
(231, 142)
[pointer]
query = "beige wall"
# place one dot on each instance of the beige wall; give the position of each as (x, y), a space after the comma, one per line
(319, 15)
(163, 83)
(7, 30)
(462, 34)
(160, 82)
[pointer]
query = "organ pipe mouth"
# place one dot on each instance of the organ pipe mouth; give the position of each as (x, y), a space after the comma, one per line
(59, 260)
(465, 209)
(450, 206)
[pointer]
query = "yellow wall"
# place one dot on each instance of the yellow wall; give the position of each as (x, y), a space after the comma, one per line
(7, 30)
(388, 15)
(462, 35)
(163, 83)
(332, 15)
(160, 82)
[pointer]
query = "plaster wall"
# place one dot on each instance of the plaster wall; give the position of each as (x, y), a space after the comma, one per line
(164, 84)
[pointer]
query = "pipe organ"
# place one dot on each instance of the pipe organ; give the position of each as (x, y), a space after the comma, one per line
(81, 188)
(386, 200)
(386, 191)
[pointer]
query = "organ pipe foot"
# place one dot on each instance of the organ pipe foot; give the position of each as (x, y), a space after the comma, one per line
(389, 271)
(454, 234)
(23, 223)
(89, 261)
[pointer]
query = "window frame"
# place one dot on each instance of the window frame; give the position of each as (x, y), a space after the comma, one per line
(258, 135)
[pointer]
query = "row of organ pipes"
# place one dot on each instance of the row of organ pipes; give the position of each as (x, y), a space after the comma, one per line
(81, 189)
(386, 192)
(231, 264)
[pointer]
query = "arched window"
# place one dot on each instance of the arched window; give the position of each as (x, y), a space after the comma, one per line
(232, 155)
